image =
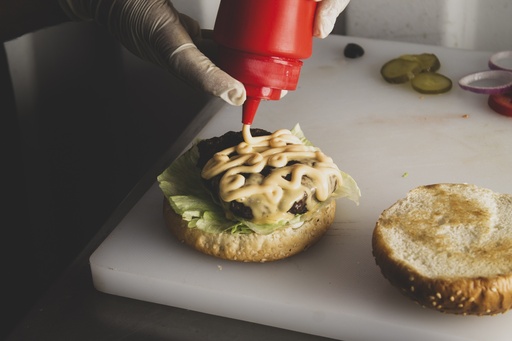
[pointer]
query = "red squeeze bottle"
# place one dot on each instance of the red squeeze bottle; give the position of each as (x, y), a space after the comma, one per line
(261, 44)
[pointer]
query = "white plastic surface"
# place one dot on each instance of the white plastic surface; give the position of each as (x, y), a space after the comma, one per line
(390, 139)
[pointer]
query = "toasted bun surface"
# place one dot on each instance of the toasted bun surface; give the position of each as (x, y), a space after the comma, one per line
(280, 244)
(449, 247)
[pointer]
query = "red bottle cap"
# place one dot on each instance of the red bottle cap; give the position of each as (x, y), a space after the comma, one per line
(264, 77)
(249, 110)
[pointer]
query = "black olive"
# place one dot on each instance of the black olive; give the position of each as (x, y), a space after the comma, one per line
(353, 51)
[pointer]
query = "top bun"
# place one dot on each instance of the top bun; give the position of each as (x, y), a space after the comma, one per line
(449, 247)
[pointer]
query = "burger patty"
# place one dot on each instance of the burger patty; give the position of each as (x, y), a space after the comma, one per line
(209, 147)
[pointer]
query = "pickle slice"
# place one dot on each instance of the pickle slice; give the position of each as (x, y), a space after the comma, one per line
(428, 61)
(400, 70)
(431, 83)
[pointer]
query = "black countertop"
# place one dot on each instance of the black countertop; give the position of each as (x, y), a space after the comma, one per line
(73, 310)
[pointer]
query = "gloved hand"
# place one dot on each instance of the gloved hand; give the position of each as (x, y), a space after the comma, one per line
(326, 14)
(155, 31)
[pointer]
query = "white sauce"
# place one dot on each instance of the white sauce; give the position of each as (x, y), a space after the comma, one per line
(272, 196)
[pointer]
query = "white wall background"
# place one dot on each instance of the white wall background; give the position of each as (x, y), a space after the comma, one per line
(204, 11)
(469, 24)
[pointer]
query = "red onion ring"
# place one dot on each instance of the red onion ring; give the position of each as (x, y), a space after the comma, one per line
(491, 82)
(501, 61)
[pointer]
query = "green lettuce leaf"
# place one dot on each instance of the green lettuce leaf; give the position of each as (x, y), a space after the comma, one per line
(182, 185)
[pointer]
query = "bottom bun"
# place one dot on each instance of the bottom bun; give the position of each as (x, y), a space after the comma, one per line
(282, 243)
(449, 247)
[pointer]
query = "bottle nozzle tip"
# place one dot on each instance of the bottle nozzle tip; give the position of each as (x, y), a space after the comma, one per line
(249, 110)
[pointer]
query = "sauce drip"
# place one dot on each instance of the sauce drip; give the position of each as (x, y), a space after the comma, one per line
(295, 171)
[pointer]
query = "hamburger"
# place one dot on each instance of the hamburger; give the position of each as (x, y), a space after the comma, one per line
(449, 247)
(253, 196)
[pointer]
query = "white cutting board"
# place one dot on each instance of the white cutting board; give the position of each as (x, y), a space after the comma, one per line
(376, 132)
